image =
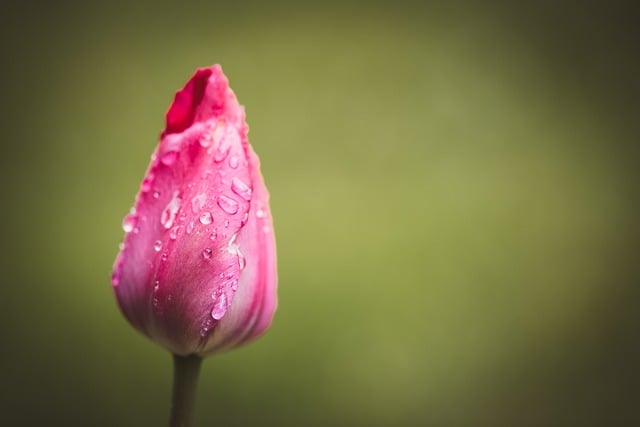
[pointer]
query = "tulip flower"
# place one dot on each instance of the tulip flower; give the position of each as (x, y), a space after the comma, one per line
(196, 272)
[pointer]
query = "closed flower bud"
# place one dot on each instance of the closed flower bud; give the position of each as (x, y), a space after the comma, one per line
(197, 268)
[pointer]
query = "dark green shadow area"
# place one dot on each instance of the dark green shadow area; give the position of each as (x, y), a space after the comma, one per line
(454, 189)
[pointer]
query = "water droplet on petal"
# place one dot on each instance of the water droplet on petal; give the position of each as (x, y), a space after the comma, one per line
(260, 213)
(241, 189)
(245, 218)
(169, 213)
(242, 261)
(206, 218)
(156, 194)
(157, 245)
(190, 227)
(198, 202)
(222, 151)
(173, 234)
(129, 222)
(156, 286)
(169, 158)
(207, 253)
(165, 255)
(213, 236)
(227, 204)
(115, 278)
(233, 162)
(226, 224)
(206, 140)
(234, 284)
(206, 326)
(220, 307)
(147, 183)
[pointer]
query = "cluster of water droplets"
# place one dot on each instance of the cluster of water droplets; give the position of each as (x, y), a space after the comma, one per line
(219, 141)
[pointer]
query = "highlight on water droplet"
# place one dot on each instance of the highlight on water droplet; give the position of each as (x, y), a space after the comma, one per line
(233, 162)
(173, 234)
(115, 277)
(242, 261)
(189, 228)
(147, 183)
(169, 213)
(222, 151)
(220, 307)
(156, 194)
(169, 158)
(241, 189)
(227, 204)
(214, 235)
(260, 213)
(207, 253)
(129, 222)
(206, 218)
(206, 140)
(198, 202)
(157, 245)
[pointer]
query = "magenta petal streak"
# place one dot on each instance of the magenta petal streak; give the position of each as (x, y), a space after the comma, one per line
(197, 269)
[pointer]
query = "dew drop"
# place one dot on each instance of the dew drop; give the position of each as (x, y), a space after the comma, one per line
(222, 152)
(220, 307)
(206, 140)
(168, 215)
(157, 245)
(260, 213)
(242, 261)
(207, 253)
(190, 226)
(213, 236)
(156, 286)
(206, 218)
(234, 284)
(165, 255)
(156, 194)
(245, 218)
(173, 234)
(198, 202)
(206, 326)
(147, 183)
(241, 189)
(226, 223)
(129, 222)
(227, 204)
(233, 162)
(115, 278)
(169, 158)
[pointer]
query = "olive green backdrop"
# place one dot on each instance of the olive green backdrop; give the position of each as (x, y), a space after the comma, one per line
(454, 189)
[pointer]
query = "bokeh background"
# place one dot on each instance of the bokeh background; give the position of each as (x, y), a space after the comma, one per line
(454, 189)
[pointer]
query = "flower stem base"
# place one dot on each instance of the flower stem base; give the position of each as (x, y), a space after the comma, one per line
(185, 382)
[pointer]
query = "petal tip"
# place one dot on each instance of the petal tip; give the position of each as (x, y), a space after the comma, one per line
(207, 94)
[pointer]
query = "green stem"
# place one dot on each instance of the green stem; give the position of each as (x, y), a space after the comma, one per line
(185, 382)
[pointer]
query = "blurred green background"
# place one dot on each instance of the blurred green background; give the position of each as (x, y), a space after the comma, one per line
(454, 189)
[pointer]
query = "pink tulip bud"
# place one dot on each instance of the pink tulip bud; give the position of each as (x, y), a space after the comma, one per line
(197, 269)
